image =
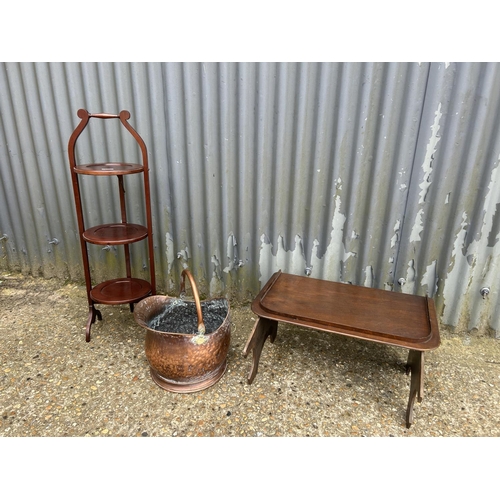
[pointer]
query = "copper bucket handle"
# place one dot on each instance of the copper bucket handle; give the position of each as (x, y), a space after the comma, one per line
(185, 272)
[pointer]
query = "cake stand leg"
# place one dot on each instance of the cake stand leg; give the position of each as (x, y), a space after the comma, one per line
(93, 314)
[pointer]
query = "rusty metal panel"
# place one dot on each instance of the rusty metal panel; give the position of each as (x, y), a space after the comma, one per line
(365, 173)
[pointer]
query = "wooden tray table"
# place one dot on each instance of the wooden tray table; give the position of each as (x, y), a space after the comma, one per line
(382, 316)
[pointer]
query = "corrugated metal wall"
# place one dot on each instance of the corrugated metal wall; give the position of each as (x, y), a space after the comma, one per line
(368, 173)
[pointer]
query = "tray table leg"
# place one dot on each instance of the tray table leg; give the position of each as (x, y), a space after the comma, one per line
(415, 365)
(262, 329)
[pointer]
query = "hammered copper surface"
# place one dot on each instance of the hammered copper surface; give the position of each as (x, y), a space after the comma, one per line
(177, 362)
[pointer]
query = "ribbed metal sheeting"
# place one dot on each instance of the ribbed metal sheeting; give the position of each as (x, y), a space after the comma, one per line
(449, 242)
(368, 173)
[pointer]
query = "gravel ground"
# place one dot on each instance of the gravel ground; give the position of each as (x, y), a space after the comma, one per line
(53, 383)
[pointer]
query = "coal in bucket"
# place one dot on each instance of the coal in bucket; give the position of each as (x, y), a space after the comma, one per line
(186, 341)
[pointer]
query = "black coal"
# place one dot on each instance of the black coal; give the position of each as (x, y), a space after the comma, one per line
(179, 316)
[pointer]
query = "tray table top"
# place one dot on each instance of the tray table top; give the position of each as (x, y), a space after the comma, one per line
(357, 311)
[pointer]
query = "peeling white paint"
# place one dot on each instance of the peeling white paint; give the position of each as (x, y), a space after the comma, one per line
(447, 199)
(475, 266)
(490, 203)
(216, 287)
(231, 252)
(395, 238)
(430, 279)
(297, 263)
(336, 253)
(328, 267)
(429, 155)
(452, 283)
(184, 256)
(409, 285)
(170, 252)
(289, 261)
(418, 227)
(369, 278)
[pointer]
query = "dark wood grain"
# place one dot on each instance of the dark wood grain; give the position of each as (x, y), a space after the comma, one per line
(357, 311)
(115, 234)
(109, 169)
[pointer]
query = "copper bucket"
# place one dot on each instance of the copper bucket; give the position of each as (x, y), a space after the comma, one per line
(186, 342)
